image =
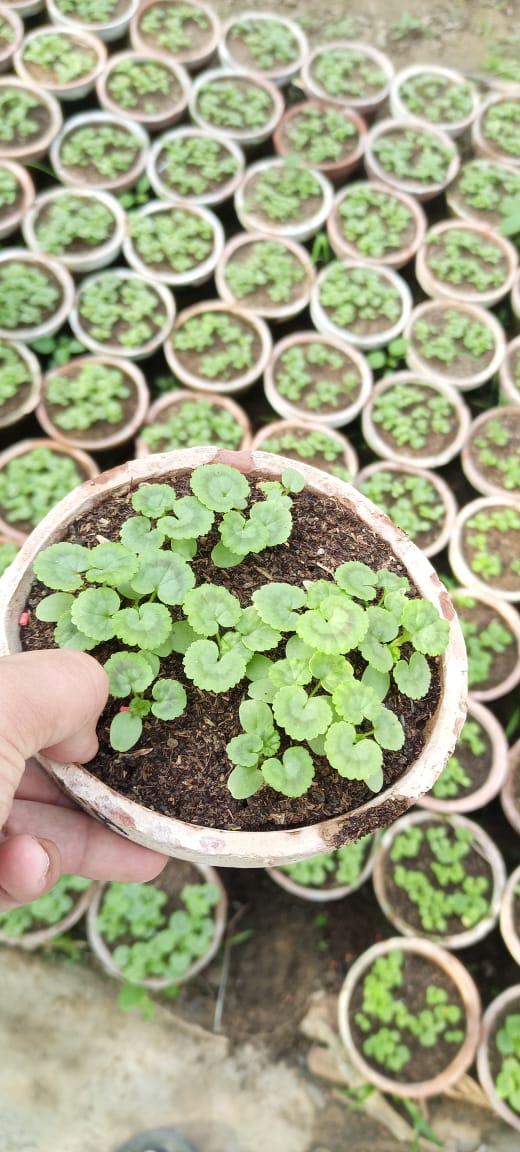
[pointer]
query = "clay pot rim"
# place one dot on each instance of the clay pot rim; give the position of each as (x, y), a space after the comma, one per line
(414, 187)
(442, 488)
(68, 31)
(508, 932)
(97, 116)
(196, 275)
(276, 427)
(462, 383)
(36, 939)
(154, 121)
(244, 136)
(467, 989)
(385, 451)
(139, 352)
(470, 466)
(400, 111)
(510, 617)
(164, 192)
(366, 104)
(327, 326)
(58, 271)
(31, 400)
(20, 448)
(276, 311)
(440, 289)
(509, 389)
(279, 74)
(289, 410)
(323, 895)
(333, 169)
(458, 564)
(492, 1012)
(192, 60)
(170, 400)
(78, 262)
(301, 230)
(110, 30)
(239, 383)
(24, 179)
(122, 432)
(29, 152)
(395, 259)
(456, 203)
(484, 147)
(497, 773)
(14, 19)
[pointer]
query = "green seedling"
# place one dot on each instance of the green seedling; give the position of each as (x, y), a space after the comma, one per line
(141, 86)
(58, 349)
(46, 910)
(316, 376)
(91, 397)
(32, 483)
(452, 337)
(56, 54)
(414, 155)
(268, 267)
(20, 115)
(193, 422)
(320, 135)
(71, 221)
(412, 502)
(347, 73)
(439, 887)
(29, 295)
(173, 27)
(484, 558)
(454, 780)
(6, 32)
(120, 311)
(507, 1079)
(437, 98)
(460, 257)
(284, 191)
(270, 43)
(90, 11)
(497, 450)
(374, 222)
(195, 165)
(109, 149)
(175, 238)
(501, 125)
(14, 372)
(9, 189)
(226, 344)
(484, 642)
(412, 413)
(342, 867)
(317, 448)
(484, 185)
(235, 105)
(355, 297)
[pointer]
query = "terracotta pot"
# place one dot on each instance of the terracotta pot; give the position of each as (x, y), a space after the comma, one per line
(234, 54)
(423, 190)
(173, 107)
(326, 892)
(167, 883)
(29, 149)
(26, 399)
(468, 375)
(87, 469)
(486, 239)
(509, 588)
(487, 478)
(504, 181)
(393, 256)
(119, 433)
(109, 30)
(215, 193)
(508, 916)
(443, 493)
(190, 378)
(482, 144)
(197, 54)
(228, 847)
(484, 846)
(14, 20)
(385, 331)
(164, 272)
(492, 609)
(29, 941)
(245, 136)
(353, 361)
(429, 456)
(277, 428)
(401, 110)
(368, 102)
(61, 278)
(165, 303)
(352, 152)
(260, 301)
(79, 176)
(77, 259)
(168, 404)
(254, 219)
(76, 38)
(490, 788)
(494, 1016)
(509, 374)
(453, 971)
(11, 215)
(510, 793)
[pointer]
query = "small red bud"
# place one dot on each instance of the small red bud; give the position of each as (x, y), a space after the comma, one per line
(23, 619)
(124, 708)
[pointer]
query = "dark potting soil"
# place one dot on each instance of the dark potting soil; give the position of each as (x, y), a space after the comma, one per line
(306, 209)
(176, 875)
(43, 76)
(502, 663)
(76, 246)
(503, 545)
(436, 442)
(192, 361)
(477, 768)
(318, 372)
(464, 363)
(181, 769)
(86, 175)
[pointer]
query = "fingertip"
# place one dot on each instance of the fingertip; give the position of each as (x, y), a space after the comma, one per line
(29, 868)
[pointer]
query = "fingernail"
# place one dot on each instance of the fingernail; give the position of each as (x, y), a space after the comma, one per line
(41, 864)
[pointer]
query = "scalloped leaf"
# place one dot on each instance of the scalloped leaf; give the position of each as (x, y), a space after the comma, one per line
(224, 558)
(137, 534)
(356, 702)
(93, 613)
(379, 681)
(256, 635)
(203, 665)
(210, 607)
(128, 672)
(357, 579)
(272, 520)
(170, 699)
(240, 536)
(413, 677)
(181, 637)
(292, 775)
(143, 627)
(331, 671)
(285, 672)
(388, 730)
(339, 631)
(320, 592)
(245, 750)
(52, 607)
(111, 564)
(276, 604)
(244, 782)
(125, 731)
(59, 566)
(303, 717)
(219, 487)
(428, 631)
(164, 573)
(354, 758)
(66, 635)
(153, 500)
(189, 520)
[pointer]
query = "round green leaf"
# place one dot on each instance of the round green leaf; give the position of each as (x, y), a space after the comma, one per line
(292, 775)
(128, 672)
(302, 717)
(153, 500)
(189, 520)
(164, 573)
(143, 627)
(125, 731)
(276, 604)
(52, 607)
(59, 566)
(93, 613)
(170, 699)
(209, 607)
(219, 487)
(413, 677)
(111, 564)
(202, 665)
(244, 782)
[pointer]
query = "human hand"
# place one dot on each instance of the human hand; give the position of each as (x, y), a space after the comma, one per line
(50, 702)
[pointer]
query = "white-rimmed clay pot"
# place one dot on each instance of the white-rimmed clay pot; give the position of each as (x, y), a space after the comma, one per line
(26, 8)
(346, 458)
(58, 276)
(165, 304)
(245, 135)
(302, 226)
(398, 249)
(189, 138)
(185, 371)
(499, 149)
(509, 373)
(481, 608)
(104, 436)
(235, 53)
(367, 102)
(163, 271)
(509, 587)
(510, 793)
(454, 972)
(82, 176)
(87, 470)
(352, 148)
(203, 37)
(77, 259)
(353, 361)
(47, 119)
(75, 38)
(468, 373)
(231, 847)
(37, 938)
(484, 847)
(509, 915)
(494, 252)
(504, 181)
(486, 478)
(438, 451)
(488, 1059)
(11, 215)
(10, 42)
(330, 889)
(113, 29)
(168, 882)
(473, 800)
(27, 395)
(169, 106)
(159, 412)
(260, 300)
(432, 541)
(441, 78)
(364, 334)
(407, 182)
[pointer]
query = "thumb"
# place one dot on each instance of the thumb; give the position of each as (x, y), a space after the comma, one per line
(49, 701)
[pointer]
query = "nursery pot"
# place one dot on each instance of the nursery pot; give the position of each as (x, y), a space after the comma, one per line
(431, 541)
(505, 585)
(504, 670)
(485, 792)
(251, 848)
(278, 428)
(86, 466)
(109, 435)
(12, 215)
(495, 1014)
(509, 915)
(170, 403)
(38, 937)
(510, 794)
(333, 890)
